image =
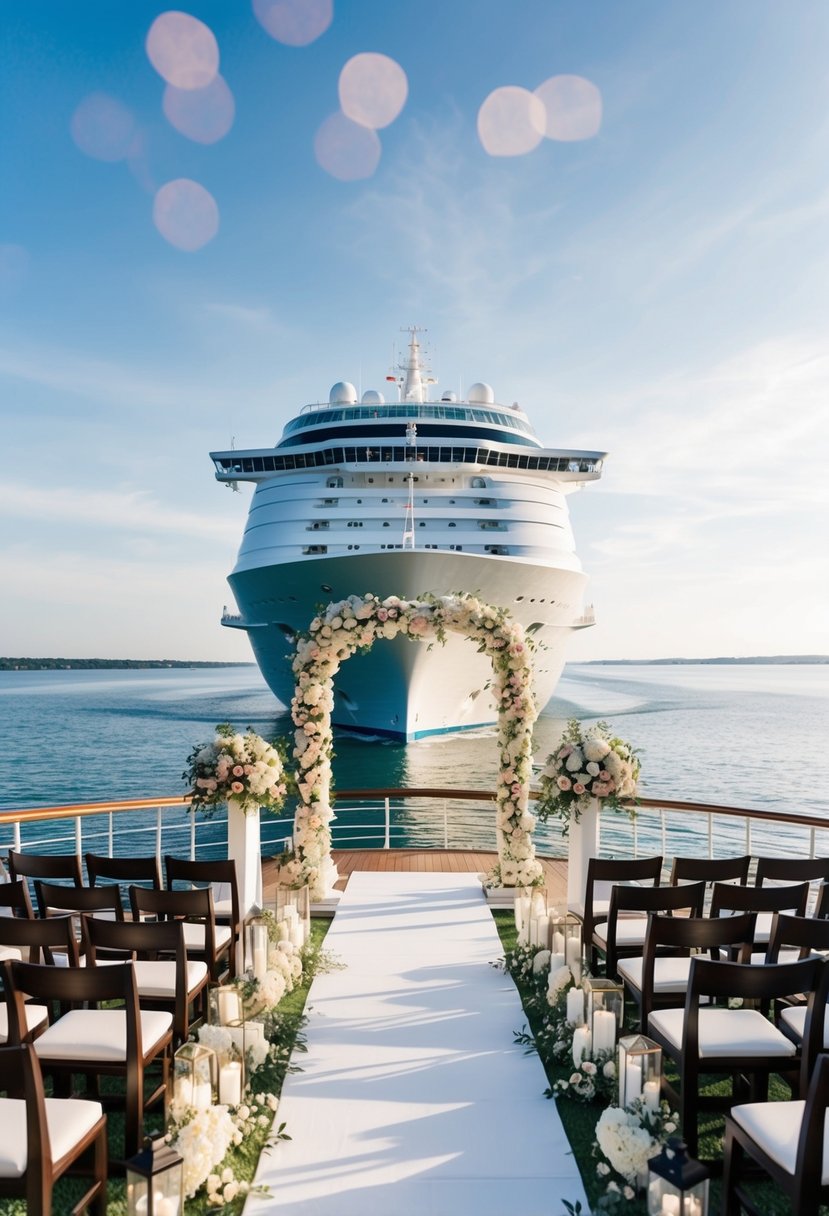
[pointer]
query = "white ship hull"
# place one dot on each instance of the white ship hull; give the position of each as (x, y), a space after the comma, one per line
(402, 688)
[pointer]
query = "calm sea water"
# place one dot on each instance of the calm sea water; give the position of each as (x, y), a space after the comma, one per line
(748, 736)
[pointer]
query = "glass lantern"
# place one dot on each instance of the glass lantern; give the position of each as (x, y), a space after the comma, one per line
(225, 1006)
(293, 914)
(677, 1184)
(640, 1071)
(194, 1067)
(226, 1010)
(605, 1007)
(566, 939)
(257, 941)
(155, 1181)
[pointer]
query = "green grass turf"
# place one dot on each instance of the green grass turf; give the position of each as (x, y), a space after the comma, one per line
(243, 1159)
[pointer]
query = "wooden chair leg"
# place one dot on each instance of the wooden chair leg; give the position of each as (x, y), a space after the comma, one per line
(733, 1162)
(98, 1206)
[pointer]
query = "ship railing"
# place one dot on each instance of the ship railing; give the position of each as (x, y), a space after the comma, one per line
(419, 818)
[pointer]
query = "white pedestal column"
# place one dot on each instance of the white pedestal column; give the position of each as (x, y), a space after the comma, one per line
(584, 844)
(244, 847)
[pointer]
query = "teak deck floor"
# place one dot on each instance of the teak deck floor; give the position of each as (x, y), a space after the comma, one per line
(457, 861)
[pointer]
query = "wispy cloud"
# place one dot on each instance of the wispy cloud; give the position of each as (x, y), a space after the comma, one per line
(259, 319)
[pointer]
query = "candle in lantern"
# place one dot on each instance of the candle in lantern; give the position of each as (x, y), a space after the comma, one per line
(558, 942)
(575, 1006)
(650, 1092)
(581, 1044)
(556, 963)
(230, 1083)
(633, 1082)
(162, 1206)
(230, 1009)
(573, 951)
(670, 1205)
(297, 936)
(604, 1030)
(260, 961)
(196, 1094)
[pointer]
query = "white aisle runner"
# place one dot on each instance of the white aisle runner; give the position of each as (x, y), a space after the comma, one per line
(413, 1100)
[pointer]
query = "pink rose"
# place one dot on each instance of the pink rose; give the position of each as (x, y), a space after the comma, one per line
(236, 787)
(238, 771)
(382, 614)
(564, 783)
(579, 789)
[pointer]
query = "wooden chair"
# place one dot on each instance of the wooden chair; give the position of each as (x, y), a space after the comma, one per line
(807, 937)
(42, 1138)
(726, 899)
(601, 875)
(121, 1041)
(740, 1043)
(623, 934)
(56, 868)
(659, 979)
(777, 870)
(220, 876)
(15, 899)
(203, 938)
(710, 869)
(787, 1140)
(164, 982)
(55, 900)
(46, 940)
(123, 872)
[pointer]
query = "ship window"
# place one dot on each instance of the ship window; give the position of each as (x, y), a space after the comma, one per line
(334, 483)
(421, 525)
(324, 587)
(384, 500)
(452, 523)
(385, 523)
(518, 599)
(370, 481)
(307, 549)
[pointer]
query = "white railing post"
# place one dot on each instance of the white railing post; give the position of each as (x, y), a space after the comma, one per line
(17, 847)
(445, 824)
(158, 834)
(78, 836)
(748, 835)
(635, 838)
(710, 835)
(110, 835)
(192, 835)
(811, 842)
(387, 825)
(664, 832)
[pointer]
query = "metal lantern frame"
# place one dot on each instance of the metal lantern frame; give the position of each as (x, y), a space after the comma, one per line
(292, 906)
(226, 1009)
(604, 997)
(640, 1071)
(677, 1183)
(194, 1070)
(155, 1180)
(257, 944)
(566, 939)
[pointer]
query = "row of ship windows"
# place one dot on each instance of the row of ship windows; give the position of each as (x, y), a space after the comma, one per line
(486, 525)
(502, 550)
(445, 455)
(411, 412)
(423, 502)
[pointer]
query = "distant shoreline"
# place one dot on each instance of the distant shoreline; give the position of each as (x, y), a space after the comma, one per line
(731, 661)
(106, 664)
(31, 664)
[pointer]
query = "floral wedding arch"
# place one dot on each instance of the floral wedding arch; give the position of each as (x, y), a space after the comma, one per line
(355, 624)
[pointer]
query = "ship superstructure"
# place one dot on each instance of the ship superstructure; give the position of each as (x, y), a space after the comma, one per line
(425, 493)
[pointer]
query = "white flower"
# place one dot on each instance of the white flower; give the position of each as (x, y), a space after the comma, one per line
(541, 961)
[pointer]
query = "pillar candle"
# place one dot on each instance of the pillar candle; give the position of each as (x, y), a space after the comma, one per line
(572, 952)
(162, 1206)
(297, 936)
(581, 1044)
(604, 1030)
(230, 1008)
(670, 1205)
(558, 942)
(650, 1092)
(556, 963)
(230, 1083)
(633, 1082)
(575, 1006)
(260, 962)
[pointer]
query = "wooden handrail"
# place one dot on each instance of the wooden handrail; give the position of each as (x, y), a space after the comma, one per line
(83, 809)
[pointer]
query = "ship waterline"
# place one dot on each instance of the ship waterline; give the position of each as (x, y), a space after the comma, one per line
(412, 497)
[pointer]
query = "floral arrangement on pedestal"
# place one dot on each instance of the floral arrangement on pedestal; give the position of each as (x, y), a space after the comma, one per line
(245, 768)
(589, 762)
(354, 624)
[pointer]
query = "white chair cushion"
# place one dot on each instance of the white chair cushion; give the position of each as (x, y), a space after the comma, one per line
(630, 931)
(10, 952)
(795, 1018)
(776, 1128)
(157, 979)
(669, 974)
(99, 1034)
(36, 1015)
(725, 1032)
(194, 936)
(68, 1121)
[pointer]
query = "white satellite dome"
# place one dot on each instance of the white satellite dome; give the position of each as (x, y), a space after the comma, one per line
(449, 397)
(372, 397)
(481, 393)
(343, 393)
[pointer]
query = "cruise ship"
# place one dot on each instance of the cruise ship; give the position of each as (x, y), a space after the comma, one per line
(424, 492)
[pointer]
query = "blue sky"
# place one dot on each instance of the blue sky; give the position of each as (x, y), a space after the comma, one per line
(658, 291)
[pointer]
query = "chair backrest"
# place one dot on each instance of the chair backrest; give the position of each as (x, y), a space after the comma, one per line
(15, 899)
(22, 1079)
(688, 934)
(810, 1146)
(207, 873)
(122, 870)
(791, 869)
(804, 932)
(727, 898)
(710, 869)
(53, 899)
(646, 870)
(37, 865)
(42, 938)
(725, 980)
(136, 939)
(73, 986)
